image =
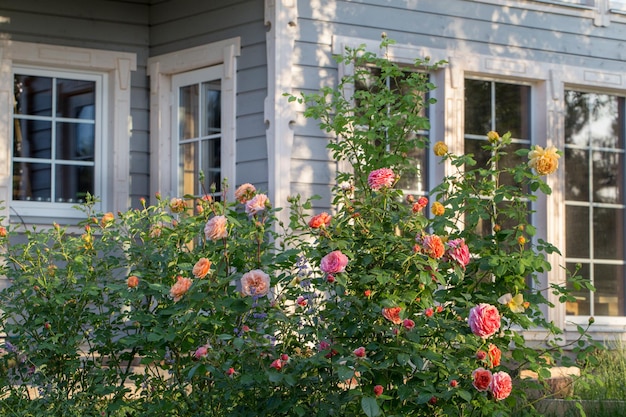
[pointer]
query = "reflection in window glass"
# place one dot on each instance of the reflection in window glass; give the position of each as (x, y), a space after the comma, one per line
(200, 135)
(53, 138)
(501, 107)
(594, 178)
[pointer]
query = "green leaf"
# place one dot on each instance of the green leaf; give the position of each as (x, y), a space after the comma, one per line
(370, 406)
(465, 395)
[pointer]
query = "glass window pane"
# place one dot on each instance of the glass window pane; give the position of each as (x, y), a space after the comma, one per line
(576, 175)
(31, 182)
(211, 162)
(477, 107)
(609, 296)
(188, 112)
(73, 182)
(212, 108)
(511, 160)
(512, 110)
(608, 233)
(75, 141)
(604, 127)
(187, 169)
(473, 146)
(577, 227)
(415, 181)
(608, 177)
(32, 139)
(582, 305)
(33, 95)
(73, 96)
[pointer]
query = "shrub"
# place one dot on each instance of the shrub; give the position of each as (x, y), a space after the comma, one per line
(382, 307)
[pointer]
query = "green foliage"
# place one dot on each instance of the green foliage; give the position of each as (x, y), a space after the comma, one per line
(368, 309)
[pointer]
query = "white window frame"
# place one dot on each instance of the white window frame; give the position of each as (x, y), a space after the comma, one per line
(115, 69)
(181, 80)
(32, 208)
(162, 102)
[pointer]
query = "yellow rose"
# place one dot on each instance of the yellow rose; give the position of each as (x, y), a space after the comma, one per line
(440, 148)
(437, 209)
(493, 136)
(544, 161)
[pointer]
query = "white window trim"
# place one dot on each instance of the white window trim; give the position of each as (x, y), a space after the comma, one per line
(161, 69)
(115, 68)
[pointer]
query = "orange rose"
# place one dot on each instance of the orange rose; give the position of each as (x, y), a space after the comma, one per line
(180, 288)
(107, 219)
(321, 220)
(201, 268)
(494, 355)
(393, 314)
(132, 281)
(482, 379)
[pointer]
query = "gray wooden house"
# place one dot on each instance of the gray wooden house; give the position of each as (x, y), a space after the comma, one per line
(126, 98)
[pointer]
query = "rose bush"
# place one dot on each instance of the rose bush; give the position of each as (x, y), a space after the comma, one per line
(205, 307)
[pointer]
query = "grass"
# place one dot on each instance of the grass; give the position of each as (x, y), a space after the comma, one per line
(601, 388)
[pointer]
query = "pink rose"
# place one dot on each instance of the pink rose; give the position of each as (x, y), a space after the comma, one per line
(277, 364)
(255, 283)
(408, 324)
(359, 352)
(180, 288)
(323, 345)
(501, 385)
(334, 262)
(381, 178)
(481, 379)
(215, 228)
(201, 352)
(301, 301)
(257, 204)
(177, 205)
(458, 251)
(378, 390)
(484, 320)
(244, 193)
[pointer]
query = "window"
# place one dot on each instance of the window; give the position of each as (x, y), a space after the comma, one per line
(56, 137)
(66, 132)
(594, 199)
(193, 118)
(501, 107)
(415, 181)
(198, 130)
